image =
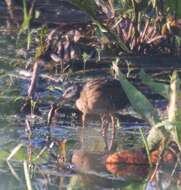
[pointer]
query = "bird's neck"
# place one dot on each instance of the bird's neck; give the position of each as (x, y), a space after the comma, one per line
(80, 86)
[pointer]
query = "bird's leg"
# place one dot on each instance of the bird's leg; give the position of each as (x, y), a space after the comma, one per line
(113, 122)
(104, 127)
(104, 124)
(82, 136)
(83, 119)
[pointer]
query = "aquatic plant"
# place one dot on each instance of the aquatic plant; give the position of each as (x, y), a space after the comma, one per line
(25, 26)
(162, 131)
(128, 25)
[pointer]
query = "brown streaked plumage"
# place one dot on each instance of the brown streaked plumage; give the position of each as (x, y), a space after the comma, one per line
(100, 96)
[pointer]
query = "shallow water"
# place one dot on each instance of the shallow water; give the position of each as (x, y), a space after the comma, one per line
(66, 138)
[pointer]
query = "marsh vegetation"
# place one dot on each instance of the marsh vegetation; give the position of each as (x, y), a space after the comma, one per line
(46, 46)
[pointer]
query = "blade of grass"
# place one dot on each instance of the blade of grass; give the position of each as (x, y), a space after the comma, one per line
(26, 18)
(146, 147)
(174, 109)
(13, 171)
(27, 175)
(14, 151)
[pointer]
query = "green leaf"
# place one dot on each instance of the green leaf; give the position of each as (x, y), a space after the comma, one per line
(160, 88)
(138, 101)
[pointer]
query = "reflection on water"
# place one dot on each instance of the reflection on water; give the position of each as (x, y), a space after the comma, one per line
(87, 155)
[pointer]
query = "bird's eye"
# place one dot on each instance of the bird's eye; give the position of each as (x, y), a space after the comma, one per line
(70, 92)
(71, 89)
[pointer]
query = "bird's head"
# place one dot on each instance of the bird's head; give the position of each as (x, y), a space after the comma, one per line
(71, 92)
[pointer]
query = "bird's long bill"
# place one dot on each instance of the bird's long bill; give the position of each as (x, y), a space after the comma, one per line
(53, 108)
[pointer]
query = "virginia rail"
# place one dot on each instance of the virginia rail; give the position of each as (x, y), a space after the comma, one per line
(100, 96)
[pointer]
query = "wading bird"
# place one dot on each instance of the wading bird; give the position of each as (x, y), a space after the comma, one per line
(100, 96)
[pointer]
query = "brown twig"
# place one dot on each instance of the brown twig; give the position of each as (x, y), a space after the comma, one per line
(34, 79)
